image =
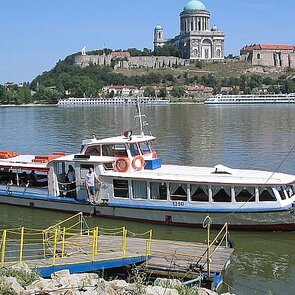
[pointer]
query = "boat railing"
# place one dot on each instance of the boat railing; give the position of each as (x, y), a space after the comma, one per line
(14, 190)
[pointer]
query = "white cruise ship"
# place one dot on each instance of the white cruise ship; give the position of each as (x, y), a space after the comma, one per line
(251, 99)
(86, 101)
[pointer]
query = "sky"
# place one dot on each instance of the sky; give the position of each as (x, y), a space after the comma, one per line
(36, 34)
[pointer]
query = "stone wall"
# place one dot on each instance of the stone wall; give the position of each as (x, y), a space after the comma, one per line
(270, 58)
(131, 62)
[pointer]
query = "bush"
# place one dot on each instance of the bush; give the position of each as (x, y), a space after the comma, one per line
(23, 277)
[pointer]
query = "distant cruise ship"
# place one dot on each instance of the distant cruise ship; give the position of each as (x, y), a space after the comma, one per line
(251, 99)
(85, 101)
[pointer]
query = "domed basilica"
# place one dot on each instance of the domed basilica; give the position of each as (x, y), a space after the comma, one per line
(197, 40)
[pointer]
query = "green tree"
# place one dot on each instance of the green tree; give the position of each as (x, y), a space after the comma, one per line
(149, 92)
(177, 91)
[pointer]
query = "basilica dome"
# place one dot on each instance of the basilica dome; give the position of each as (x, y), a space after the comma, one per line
(158, 27)
(193, 5)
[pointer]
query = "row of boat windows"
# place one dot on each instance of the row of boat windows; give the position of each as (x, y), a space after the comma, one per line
(117, 150)
(198, 193)
(24, 178)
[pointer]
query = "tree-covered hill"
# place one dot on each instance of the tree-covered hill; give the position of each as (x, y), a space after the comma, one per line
(68, 79)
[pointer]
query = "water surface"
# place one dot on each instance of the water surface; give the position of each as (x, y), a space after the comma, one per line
(256, 137)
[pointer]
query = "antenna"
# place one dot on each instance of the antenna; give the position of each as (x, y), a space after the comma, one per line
(142, 122)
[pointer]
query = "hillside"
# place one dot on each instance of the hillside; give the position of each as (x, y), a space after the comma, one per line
(69, 79)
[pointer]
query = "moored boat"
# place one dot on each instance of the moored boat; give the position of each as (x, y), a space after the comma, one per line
(93, 101)
(137, 186)
(250, 99)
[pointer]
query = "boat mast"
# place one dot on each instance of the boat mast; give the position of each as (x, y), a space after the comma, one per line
(142, 123)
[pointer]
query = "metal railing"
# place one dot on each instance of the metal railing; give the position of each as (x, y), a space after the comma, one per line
(68, 242)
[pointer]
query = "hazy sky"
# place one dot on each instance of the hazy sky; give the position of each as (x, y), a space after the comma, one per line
(35, 34)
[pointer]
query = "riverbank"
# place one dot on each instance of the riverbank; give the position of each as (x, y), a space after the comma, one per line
(20, 279)
(181, 100)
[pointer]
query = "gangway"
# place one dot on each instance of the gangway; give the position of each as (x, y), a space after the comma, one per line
(71, 244)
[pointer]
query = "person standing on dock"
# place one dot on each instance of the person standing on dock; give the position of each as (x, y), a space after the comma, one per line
(90, 184)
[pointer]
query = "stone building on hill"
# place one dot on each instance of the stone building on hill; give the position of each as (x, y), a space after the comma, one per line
(196, 40)
(122, 59)
(269, 55)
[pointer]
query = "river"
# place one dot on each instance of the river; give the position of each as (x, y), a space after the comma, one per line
(258, 136)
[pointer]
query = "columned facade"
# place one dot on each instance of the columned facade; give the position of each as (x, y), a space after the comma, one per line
(197, 40)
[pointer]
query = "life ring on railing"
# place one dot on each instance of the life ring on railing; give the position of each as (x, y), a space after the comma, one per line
(122, 164)
(138, 162)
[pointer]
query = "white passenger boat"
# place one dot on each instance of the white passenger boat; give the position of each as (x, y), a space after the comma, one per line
(137, 186)
(92, 101)
(251, 99)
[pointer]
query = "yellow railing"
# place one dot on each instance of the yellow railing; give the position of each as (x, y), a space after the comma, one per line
(61, 243)
(200, 254)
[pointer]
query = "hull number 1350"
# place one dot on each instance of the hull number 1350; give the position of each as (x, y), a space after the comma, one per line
(178, 204)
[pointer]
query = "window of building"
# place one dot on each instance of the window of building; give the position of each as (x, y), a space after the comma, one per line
(199, 193)
(158, 190)
(206, 53)
(121, 189)
(178, 191)
(266, 194)
(245, 194)
(139, 189)
(258, 56)
(221, 194)
(218, 53)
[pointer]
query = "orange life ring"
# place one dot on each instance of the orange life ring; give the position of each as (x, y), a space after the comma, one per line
(138, 162)
(122, 164)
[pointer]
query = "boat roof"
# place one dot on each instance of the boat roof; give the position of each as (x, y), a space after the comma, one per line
(218, 174)
(23, 162)
(207, 175)
(119, 139)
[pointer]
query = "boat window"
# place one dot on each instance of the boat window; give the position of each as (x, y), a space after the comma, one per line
(121, 189)
(158, 191)
(221, 193)
(245, 194)
(93, 150)
(108, 150)
(282, 192)
(134, 150)
(120, 150)
(290, 190)
(266, 194)
(24, 177)
(178, 191)
(84, 168)
(199, 193)
(139, 189)
(145, 147)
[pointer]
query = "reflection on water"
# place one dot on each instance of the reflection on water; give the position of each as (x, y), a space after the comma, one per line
(257, 136)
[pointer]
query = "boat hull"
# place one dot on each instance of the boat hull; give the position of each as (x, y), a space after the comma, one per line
(258, 221)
